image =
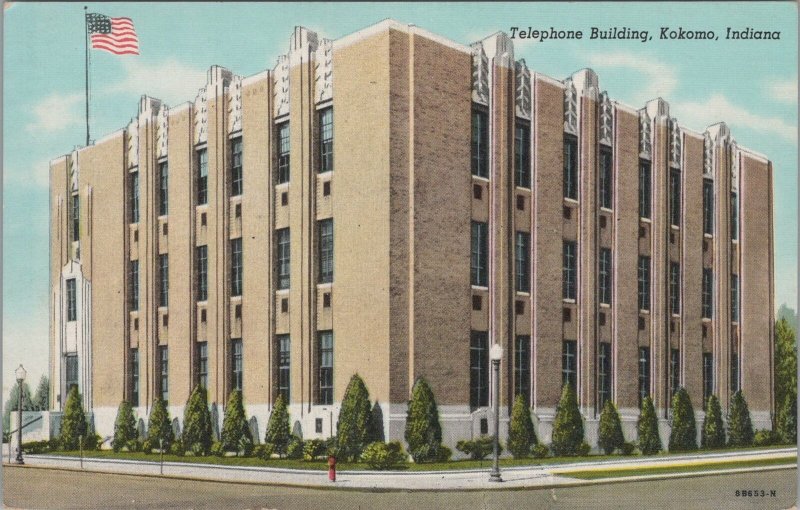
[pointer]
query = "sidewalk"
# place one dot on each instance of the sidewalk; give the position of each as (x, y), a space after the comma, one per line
(513, 478)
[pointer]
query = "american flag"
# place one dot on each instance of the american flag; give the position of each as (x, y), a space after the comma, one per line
(114, 35)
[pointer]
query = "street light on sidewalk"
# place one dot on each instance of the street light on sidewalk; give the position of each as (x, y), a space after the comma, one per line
(20, 373)
(496, 354)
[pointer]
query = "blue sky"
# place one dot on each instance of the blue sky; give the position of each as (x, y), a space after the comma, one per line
(752, 85)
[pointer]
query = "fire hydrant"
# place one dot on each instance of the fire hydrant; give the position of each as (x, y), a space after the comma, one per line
(331, 468)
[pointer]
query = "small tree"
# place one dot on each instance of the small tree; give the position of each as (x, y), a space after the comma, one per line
(375, 433)
(713, 433)
(610, 435)
(197, 422)
(423, 431)
(568, 424)
(683, 436)
(649, 440)
(235, 432)
(73, 424)
(124, 426)
(278, 432)
(159, 426)
(740, 428)
(521, 436)
(787, 419)
(41, 399)
(352, 429)
(13, 402)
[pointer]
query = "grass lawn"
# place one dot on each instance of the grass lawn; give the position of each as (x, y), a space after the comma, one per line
(709, 466)
(322, 465)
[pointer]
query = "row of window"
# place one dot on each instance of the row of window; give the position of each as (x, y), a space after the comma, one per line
(324, 365)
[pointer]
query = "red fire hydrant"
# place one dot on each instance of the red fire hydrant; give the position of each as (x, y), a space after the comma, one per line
(331, 468)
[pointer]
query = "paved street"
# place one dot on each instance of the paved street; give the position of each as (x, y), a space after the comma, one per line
(47, 488)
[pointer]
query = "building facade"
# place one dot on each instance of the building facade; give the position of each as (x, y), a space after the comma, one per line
(391, 204)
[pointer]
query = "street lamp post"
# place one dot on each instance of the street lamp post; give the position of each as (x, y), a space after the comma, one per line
(496, 354)
(20, 373)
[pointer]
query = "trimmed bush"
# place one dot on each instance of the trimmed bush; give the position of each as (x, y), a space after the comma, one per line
(73, 424)
(647, 426)
(375, 433)
(263, 451)
(278, 432)
(740, 428)
(584, 449)
(197, 432)
(236, 435)
(332, 446)
(218, 449)
(314, 449)
(176, 448)
(787, 419)
(124, 426)
(480, 448)
(765, 438)
(423, 431)
(159, 427)
(353, 425)
(134, 445)
(627, 448)
(380, 455)
(713, 433)
(568, 424)
(444, 454)
(610, 434)
(540, 451)
(521, 435)
(295, 448)
(683, 436)
(34, 447)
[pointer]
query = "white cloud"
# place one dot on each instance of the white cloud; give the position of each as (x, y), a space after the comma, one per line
(55, 112)
(784, 91)
(171, 81)
(661, 79)
(699, 114)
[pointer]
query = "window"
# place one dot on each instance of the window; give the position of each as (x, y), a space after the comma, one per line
(164, 366)
(708, 292)
(326, 140)
(134, 177)
(644, 373)
(522, 366)
(133, 285)
(605, 276)
(163, 188)
(76, 217)
(708, 206)
(163, 270)
(237, 267)
(283, 153)
(283, 258)
(325, 251)
(479, 369)
(674, 371)
(569, 272)
(604, 373)
(202, 176)
(645, 182)
(202, 364)
(734, 372)
(644, 283)
(236, 167)
(675, 287)
(72, 301)
(569, 363)
(326, 367)
(675, 198)
(71, 371)
(134, 377)
(284, 370)
(570, 167)
(734, 216)
(480, 248)
(236, 364)
(522, 261)
(708, 376)
(606, 179)
(201, 267)
(735, 298)
(480, 144)
(522, 150)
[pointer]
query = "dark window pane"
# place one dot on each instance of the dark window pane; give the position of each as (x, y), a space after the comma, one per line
(606, 179)
(522, 366)
(675, 197)
(202, 177)
(237, 177)
(569, 363)
(237, 267)
(708, 293)
(326, 140)
(283, 258)
(480, 144)
(644, 189)
(325, 251)
(326, 367)
(284, 366)
(163, 188)
(522, 163)
(201, 255)
(570, 167)
(708, 207)
(605, 278)
(237, 369)
(644, 373)
(644, 283)
(675, 287)
(480, 248)
(134, 200)
(569, 276)
(163, 269)
(133, 285)
(283, 153)
(72, 300)
(522, 261)
(479, 369)
(604, 373)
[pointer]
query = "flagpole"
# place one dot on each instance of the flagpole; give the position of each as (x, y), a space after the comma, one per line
(86, 68)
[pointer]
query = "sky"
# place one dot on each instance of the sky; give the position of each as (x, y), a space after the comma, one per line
(751, 85)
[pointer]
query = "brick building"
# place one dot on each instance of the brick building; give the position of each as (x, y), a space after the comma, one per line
(391, 204)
